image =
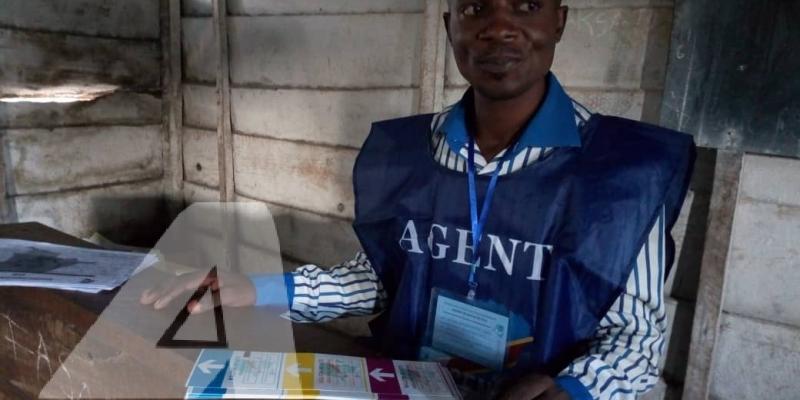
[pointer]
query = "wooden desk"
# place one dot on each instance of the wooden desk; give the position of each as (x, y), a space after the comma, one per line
(39, 328)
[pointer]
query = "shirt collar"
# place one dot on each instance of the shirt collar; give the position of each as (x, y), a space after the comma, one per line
(553, 124)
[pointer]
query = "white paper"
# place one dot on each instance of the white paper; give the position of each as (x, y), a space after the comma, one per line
(46, 265)
(340, 373)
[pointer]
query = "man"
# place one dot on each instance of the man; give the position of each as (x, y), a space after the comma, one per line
(514, 237)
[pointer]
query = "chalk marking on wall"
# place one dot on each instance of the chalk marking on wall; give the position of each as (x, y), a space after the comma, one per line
(71, 394)
(85, 387)
(584, 19)
(11, 339)
(85, 390)
(600, 23)
(41, 354)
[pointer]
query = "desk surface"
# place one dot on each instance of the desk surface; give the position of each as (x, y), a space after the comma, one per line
(39, 328)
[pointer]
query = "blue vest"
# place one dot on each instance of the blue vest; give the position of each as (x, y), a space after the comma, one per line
(559, 243)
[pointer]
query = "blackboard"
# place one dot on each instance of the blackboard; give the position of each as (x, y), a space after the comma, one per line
(733, 79)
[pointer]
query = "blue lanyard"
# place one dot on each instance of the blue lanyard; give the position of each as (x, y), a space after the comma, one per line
(479, 223)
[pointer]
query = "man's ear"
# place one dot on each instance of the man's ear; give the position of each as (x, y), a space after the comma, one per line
(562, 13)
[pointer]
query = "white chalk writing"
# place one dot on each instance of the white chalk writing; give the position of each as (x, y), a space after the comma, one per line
(10, 338)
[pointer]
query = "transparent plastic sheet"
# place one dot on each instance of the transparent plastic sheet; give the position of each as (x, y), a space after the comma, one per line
(119, 357)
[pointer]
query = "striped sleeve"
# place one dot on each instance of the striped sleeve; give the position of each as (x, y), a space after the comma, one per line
(622, 361)
(348, 289)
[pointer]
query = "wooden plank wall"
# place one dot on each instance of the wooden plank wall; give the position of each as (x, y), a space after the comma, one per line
(307, 79)
(89, 166)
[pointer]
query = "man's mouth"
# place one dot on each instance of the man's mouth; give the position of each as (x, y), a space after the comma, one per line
(500, 61)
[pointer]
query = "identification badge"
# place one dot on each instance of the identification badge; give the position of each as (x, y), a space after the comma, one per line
(467, 329)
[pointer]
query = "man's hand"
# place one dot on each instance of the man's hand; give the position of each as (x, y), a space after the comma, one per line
(534, 387)
(235, 290)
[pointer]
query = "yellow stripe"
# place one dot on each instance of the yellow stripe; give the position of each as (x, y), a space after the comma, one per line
(302, 383)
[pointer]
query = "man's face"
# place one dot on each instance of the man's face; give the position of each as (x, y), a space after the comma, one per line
(504, 47)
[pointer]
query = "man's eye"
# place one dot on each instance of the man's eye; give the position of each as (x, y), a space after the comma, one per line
(530, 6)
(471, 9)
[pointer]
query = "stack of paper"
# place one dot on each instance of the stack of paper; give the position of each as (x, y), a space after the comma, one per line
(46, 265)
(221, 374)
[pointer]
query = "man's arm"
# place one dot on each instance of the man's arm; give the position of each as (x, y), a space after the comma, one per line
(318, 295)
(623, 358)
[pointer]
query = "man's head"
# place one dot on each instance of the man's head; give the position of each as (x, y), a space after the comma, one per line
(504, 47)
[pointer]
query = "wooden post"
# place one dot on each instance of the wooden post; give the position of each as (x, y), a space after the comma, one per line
(224, 133)
(173, 103)
(434, 52)
(711, 287)
(227, 190)
(5, 201)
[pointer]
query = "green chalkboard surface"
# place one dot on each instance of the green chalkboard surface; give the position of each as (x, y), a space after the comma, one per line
(733, 78)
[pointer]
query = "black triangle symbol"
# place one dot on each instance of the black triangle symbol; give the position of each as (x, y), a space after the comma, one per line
(168, 338)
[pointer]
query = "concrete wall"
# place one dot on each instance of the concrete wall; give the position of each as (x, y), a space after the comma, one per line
(758, 350)
(87, 166)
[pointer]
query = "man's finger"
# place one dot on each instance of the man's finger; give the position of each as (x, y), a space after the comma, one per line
(179, 285)
(148, 296)
(229, 296)
(151, 295)
(197, 307)
(206, 302)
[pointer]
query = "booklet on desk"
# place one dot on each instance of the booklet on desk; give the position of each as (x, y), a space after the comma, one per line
(47, 265)
(222, 374)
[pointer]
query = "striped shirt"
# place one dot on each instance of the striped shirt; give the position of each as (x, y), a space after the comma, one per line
(622, 361)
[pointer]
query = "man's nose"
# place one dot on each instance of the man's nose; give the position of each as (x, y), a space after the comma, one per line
(500, 27)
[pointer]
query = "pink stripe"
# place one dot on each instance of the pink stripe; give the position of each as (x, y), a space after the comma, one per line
(382, 369)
